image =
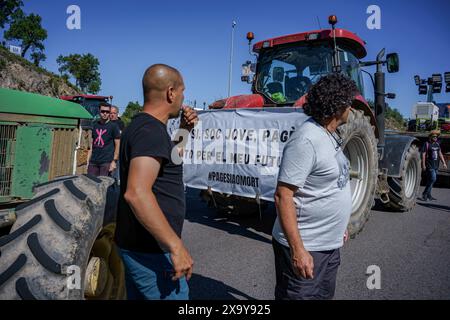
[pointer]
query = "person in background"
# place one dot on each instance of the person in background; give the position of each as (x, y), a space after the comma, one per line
(104, 153)
(431, 155)
(114, 117)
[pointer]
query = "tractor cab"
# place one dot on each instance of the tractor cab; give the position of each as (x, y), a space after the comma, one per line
(90, 102)
(287, 66)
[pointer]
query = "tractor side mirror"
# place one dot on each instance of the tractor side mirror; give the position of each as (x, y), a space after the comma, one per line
(392, 62)
(248, 70)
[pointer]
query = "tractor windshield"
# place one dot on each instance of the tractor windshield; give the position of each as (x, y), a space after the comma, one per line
(285, 74)
(92, 105)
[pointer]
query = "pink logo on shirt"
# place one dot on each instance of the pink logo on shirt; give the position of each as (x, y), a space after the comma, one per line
(99, 141)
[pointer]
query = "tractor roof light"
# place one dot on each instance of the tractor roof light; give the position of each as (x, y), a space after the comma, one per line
(250, 36)
(332, 20)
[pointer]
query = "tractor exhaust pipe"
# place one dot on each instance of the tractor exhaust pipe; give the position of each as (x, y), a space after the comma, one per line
(380, 102)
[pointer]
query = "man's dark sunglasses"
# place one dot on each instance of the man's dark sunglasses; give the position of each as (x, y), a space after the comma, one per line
(105, 111)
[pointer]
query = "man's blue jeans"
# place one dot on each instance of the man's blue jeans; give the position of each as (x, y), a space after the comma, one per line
(149, 277)
(431, 179)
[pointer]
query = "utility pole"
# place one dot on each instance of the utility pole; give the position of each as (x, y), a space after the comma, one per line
(233, 24)
(430, 93)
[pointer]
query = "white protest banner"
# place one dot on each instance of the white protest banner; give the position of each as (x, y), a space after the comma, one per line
(238, 151)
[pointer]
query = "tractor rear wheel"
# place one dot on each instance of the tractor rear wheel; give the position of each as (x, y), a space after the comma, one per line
(49, 248)
(360, 147)
(403, 190)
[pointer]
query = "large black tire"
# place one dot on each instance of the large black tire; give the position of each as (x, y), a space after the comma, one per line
(403, 191)
(360, 147)
(54, 230)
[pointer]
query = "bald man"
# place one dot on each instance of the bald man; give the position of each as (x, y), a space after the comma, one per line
(152, 201)
(114, 118)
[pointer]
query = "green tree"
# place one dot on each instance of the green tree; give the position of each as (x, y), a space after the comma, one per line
(393, 113)
(84, 69)
(131, 109)
(28, 30)
(7, 9)
(37, 57)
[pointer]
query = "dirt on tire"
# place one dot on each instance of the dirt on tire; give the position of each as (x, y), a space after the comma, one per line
(53, 236)
(359, 127)
(403, 191)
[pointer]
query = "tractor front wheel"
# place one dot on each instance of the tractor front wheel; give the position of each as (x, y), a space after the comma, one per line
(360, 148)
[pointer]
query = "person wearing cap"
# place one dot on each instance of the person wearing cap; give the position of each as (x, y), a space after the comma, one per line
(431, 155)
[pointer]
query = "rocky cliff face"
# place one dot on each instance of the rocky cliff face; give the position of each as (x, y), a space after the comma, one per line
(19, 74)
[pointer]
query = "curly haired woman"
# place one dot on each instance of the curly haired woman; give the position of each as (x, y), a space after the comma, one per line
(313, 196)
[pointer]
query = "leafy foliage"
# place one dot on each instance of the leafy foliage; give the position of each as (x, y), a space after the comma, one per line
(28, 30)
(7, 58)
(131, 109)
(37, 57)
(394, 114)
(394, 118)
(84, 68)
(7, 9)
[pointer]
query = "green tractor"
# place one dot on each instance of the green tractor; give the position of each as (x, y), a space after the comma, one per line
(56, 226)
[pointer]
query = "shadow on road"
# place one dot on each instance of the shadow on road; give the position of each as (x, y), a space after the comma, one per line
(379, 206)
(434, 206)
(198, 212)
(203, 288)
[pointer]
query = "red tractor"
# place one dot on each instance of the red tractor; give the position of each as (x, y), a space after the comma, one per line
(383, 166)
(90, 102)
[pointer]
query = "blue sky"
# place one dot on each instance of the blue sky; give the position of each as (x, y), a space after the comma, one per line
(194, 36)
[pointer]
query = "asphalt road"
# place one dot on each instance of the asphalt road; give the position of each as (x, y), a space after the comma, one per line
(234, 259)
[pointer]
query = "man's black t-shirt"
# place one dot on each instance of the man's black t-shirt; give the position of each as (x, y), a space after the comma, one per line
(146, 136)
(103, 135)
(119, 123)
(431, 154)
